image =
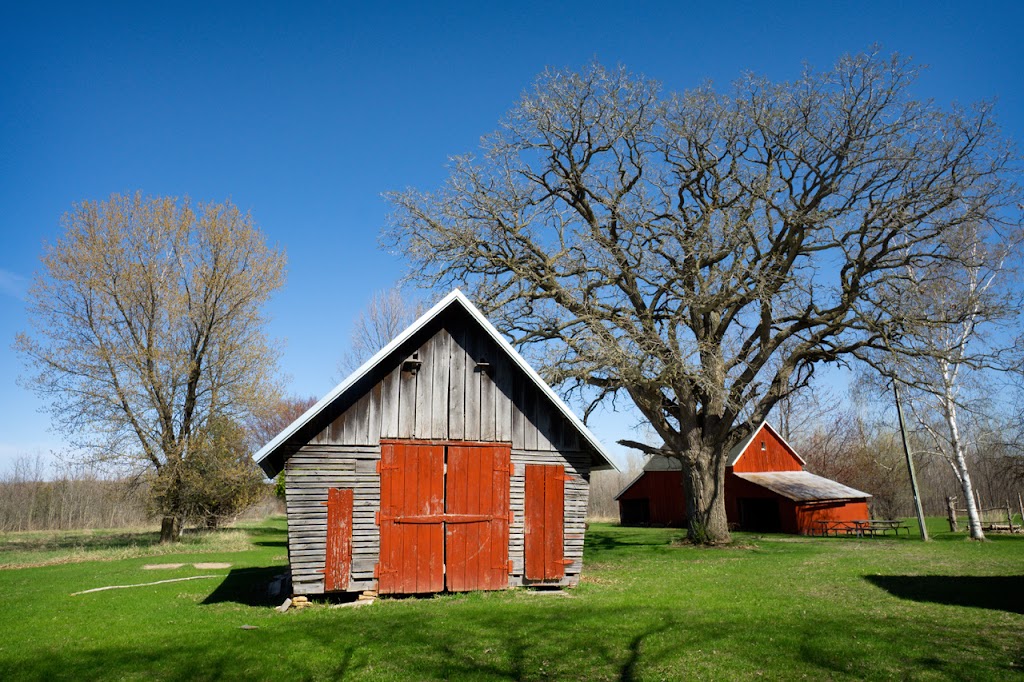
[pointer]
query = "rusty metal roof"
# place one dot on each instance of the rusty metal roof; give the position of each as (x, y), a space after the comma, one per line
(803, 486)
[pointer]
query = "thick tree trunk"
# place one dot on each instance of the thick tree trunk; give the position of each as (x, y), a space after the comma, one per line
(170, 529)
(704, 492)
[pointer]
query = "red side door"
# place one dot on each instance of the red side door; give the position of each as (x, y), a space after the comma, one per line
(339, 539)
(476, 517)
(411, 518)
(545, 514)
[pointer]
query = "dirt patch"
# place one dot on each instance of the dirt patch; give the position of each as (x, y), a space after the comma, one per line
(154, 567)
(212, 564)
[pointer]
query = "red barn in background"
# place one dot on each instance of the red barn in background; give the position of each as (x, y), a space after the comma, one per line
(766, 490)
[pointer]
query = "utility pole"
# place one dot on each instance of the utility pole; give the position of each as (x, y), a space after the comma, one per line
(910, 462)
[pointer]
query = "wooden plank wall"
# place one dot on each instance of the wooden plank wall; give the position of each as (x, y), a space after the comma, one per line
(450, 398)
(309, 474)
(776, 456)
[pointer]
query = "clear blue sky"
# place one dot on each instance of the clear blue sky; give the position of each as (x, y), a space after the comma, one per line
(305, 114)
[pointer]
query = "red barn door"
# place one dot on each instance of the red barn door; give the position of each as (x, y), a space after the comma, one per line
(411, 524)
(545, 518)
(476, 518)
(443, 528)
(339, 539)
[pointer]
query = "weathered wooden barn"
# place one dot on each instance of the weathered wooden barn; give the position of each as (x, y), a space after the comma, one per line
(766, 490)
(443, 463)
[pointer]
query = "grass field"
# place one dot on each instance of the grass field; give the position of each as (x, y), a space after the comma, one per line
(772, 607)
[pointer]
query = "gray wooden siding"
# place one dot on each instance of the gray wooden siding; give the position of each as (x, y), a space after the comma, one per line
(450, 398)
(576, 496)
(314, 469)
(308, 475)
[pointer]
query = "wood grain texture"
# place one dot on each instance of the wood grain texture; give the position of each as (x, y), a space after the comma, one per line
(412, 484)
(544, 511)
(338, 560)
(457, 385)
(477, 486)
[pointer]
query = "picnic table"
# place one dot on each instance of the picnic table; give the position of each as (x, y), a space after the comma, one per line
(862, 527)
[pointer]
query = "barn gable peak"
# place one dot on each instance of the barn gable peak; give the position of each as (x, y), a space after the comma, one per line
(741, 448)
(273, 455)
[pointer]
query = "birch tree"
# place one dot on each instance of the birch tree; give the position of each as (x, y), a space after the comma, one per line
(146, 323)
(703, 253)
(959, 320)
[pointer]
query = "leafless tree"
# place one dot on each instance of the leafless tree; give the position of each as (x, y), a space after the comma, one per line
(704, 252)
(952, 334)
(146, 321)
(36, 494)
(274, 417)
(385, 316)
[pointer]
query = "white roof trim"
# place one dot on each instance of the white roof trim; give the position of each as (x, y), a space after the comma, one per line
(366, 367)
(741, 447)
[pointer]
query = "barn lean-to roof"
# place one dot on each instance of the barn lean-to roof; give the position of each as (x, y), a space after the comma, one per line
(803, 486)
(354, 382)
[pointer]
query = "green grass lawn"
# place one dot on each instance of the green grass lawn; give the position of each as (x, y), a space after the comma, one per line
(772, 607)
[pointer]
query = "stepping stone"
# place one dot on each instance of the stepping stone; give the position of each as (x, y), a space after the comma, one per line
(212, 565)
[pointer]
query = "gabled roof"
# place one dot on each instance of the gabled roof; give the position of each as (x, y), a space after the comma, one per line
(803, 486)
(654, 463)
(660, 463)
(741, 447)
(455, 298)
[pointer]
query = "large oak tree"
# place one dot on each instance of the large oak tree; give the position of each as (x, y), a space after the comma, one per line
(147, 326)
(705, 252)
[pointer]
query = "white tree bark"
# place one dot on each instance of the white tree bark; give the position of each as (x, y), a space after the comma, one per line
(958, 460)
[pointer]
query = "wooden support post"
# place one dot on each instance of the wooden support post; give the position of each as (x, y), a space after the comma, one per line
(910, 463)
(951, 514)
(1020, 501)
(1009, 515)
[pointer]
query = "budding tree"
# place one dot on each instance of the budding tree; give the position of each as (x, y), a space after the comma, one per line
(146, 324)
(703, 253)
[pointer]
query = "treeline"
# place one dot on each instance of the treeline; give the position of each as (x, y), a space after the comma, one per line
(37, 495)
(867, 454)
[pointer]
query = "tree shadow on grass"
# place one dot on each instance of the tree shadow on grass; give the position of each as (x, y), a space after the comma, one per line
(247, 586)
(505, 642)
(999, 593)
(270, 543)
(597, 541)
